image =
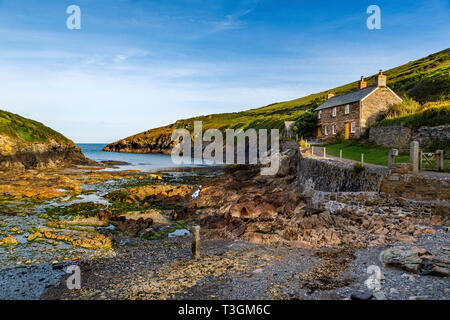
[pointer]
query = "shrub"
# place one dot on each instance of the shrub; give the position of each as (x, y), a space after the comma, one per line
(407, 107)
(305, 124)
(439, 144)
(303, 144)
(338, 139)
(430, 115)
(358, 168)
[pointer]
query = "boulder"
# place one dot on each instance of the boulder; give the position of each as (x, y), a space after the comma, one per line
(402, 258)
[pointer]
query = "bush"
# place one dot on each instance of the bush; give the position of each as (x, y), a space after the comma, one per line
(407, 107)
(358, 168)
(439, 144)
(303, 144)
(430, 115)
(338, 139)
(306, 124)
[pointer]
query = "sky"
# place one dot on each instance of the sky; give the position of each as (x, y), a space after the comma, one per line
(137, 64)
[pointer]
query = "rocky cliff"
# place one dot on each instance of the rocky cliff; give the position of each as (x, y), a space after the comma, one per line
(157, 140)
(28, 144)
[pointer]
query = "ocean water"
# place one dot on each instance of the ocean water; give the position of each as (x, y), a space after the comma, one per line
(142, 162)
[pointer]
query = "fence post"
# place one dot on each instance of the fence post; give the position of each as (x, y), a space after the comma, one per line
(420, 159)
(414, 156)
(324, 152)
(362, 158)
(340, 154)
(196, 242)
(391, 157)
(440, 160)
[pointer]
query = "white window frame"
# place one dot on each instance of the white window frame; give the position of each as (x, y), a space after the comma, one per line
(325, 130)
(353, 127)
(320, 115)
(334, 112)
(334, 129)
(347, 109)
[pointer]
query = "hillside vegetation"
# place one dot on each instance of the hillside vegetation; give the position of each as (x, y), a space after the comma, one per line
(424, 80)
(27, 130)
(411, 114)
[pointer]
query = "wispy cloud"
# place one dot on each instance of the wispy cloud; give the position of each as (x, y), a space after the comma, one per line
(231, 21)
(134, 53)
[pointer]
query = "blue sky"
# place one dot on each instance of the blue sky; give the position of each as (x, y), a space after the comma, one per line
(135, 65)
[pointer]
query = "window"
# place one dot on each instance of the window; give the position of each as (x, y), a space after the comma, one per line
(347, 109)
(325, 130)
(334, 112)
(353, 127)
(334, 129)
(320, 114)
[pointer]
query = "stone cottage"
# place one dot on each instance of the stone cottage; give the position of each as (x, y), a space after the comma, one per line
(349, 115)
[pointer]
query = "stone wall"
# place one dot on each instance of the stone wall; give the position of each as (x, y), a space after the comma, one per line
(418, 187)
(334, 175)
(425, 134)
(400, 137)
(391, 136)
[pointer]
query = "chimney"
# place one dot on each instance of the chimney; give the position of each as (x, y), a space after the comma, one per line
(330, 95)
(381, 80)
(362, 84)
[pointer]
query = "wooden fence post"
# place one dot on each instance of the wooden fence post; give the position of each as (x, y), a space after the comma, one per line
(196, 242)
(440, 160)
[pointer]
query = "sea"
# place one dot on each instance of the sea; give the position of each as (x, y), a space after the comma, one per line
(137, 161)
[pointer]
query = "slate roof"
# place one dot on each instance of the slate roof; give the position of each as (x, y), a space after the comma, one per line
(347, 98)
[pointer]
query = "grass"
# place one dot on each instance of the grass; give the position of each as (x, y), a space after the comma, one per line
(413, 115)
(426, 79)
(372, 154)
(27, 130)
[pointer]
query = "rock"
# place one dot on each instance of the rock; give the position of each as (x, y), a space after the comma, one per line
(420, 251)
(379, 295)
(401, 258)
(436, 221)
(362, 296)
(439, 271)
(393, 291)
(128, 242)
(418, 297)
(405, 238)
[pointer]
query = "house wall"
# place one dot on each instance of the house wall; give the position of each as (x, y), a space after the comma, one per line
(375, 104)
(341, 118)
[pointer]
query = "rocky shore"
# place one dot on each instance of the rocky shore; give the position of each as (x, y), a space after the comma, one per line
(262, 237)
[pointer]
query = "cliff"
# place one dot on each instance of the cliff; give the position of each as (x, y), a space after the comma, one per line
(28, 144)
(424, 80)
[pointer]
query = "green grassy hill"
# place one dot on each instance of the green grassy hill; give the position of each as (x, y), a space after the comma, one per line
(424, 80)
(28, 131)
